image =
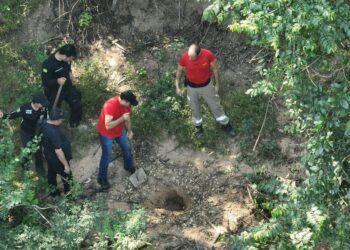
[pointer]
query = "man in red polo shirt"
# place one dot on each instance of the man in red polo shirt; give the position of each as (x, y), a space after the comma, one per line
(199, 65)
(114, 124)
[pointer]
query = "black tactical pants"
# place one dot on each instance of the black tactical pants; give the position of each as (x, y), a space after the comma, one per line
(54, 168)
(38, 155)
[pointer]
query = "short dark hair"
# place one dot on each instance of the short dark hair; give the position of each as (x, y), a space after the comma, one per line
(68, 50)
(129, 96)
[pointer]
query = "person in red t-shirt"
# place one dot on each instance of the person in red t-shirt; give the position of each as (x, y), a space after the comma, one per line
(199, 65)
(114, 117)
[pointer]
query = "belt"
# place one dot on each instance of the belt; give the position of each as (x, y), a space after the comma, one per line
(196, 85)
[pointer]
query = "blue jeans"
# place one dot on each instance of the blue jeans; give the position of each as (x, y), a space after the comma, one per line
(106, 145)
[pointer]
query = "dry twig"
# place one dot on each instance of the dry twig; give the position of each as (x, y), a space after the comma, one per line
(264, 121)
(48, 222)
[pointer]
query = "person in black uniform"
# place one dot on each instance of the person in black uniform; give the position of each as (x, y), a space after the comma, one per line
(56, 72)
(32, 113)
(57, 151)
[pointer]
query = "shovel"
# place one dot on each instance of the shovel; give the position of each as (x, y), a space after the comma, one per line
(139, 176)
(57, 96)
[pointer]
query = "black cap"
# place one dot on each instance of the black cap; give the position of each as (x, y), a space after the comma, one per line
(56, 114)
(129, 97)
(39, 97)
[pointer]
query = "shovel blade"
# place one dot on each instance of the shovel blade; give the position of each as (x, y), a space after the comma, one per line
(138, 177)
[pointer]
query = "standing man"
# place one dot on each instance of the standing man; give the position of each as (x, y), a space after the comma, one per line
(114, 118)
(32, 113)
(57, 151)
(57, 73)
(199, 65)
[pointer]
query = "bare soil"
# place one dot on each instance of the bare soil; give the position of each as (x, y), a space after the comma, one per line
(193, 199)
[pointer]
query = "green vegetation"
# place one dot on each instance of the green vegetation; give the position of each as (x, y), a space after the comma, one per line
(20, 71)
(12, 13)
(309, 44)
(306, 64)
(28, 219)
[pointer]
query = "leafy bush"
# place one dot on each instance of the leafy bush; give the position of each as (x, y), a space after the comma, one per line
(17, 186)
(309, 44)
(93, 84)
(25, 79)
(121, 230)
(12, 13)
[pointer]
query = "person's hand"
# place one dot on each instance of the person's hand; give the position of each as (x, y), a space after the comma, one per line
(126, 116)
(61, 81)
(216, 88)
(1, 114)
(178, 91)
(67, 169)
(130, 135)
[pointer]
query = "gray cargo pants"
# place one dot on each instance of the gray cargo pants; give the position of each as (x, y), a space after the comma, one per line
(213, 101)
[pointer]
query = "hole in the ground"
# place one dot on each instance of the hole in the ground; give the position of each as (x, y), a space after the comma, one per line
(170, 200)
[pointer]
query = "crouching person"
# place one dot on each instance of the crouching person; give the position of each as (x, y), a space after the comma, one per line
(57, 151)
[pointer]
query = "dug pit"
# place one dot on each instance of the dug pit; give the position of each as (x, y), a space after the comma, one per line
(170, 199)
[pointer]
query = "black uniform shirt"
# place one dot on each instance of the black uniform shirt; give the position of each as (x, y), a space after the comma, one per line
(29, 115)
(52, 69)
(54, 138)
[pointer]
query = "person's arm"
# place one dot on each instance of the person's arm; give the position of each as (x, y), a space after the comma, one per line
(215, 69)
(60, 155)
(71, 77)
(178, 78)
(128, 127)
(48, 79)
(110, 123)
(13, 115)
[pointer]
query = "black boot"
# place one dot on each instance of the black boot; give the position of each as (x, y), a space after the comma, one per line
(229, 129)
(103, 183)
(199, 131)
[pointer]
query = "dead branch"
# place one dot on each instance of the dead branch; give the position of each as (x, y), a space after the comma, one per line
(264, 121)
(179, 21)
(250, 195)
(114, 3)
(308, 74)
(51, 39)
(70, 15)
(206, 32)
(60, 16)
(42, 216)
(254, 58)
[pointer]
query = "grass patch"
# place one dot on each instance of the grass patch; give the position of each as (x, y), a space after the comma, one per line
(162, 110)
(247, 115)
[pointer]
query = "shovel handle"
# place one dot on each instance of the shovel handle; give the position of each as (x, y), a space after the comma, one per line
(57, 96)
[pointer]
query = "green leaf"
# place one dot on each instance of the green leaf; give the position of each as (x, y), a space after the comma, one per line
(348, 124)
(344, 104)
